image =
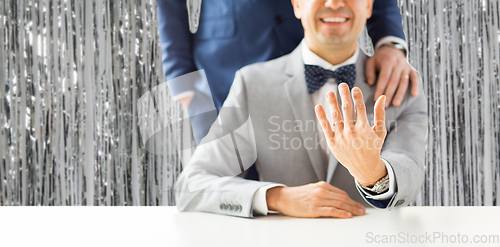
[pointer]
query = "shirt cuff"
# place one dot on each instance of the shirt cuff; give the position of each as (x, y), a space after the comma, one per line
(259, 203)
(391, 39)
(392, 185)
(183, 95)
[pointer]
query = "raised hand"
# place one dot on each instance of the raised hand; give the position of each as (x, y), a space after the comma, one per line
(353, 142)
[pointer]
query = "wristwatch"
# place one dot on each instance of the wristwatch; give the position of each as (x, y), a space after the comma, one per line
(397, 46)
(380, 186)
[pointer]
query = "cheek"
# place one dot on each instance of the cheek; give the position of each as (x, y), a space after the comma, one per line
(364, 12)
(310, 22)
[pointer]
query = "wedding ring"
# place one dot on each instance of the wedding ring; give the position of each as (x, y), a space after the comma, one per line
(406, 76)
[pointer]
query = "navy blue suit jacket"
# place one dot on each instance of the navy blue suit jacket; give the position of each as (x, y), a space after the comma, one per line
(235, 33)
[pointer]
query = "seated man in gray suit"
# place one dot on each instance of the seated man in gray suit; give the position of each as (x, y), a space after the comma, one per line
(307, 167)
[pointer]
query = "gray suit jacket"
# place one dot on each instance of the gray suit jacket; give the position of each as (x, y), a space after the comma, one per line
(270, 105)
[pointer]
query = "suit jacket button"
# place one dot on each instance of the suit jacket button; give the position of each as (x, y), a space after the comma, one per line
(278, 19)
(400, 202)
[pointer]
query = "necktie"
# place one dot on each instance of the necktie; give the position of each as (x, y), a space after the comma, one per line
(316, 76)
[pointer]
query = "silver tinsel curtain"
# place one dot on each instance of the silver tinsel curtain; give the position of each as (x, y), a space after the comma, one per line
(71, 73)
(455, 47)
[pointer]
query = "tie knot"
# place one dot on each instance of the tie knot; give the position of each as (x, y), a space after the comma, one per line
(316, 76)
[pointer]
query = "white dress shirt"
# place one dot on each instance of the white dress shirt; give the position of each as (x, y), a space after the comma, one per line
(259, 203)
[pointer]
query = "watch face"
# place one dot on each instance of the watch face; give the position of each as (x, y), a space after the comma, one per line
(382, 187)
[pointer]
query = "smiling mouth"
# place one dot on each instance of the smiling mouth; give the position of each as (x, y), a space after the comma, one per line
(334, 19)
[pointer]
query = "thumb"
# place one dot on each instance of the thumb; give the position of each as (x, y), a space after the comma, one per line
(379, 117)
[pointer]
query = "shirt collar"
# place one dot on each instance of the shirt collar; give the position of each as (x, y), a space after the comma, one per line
(310, 58)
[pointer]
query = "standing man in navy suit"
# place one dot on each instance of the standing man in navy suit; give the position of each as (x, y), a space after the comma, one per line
(235, 33)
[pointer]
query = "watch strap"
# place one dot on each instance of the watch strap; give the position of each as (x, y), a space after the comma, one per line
(397, 46)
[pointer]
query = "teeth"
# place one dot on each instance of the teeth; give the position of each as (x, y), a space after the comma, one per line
(334, 19)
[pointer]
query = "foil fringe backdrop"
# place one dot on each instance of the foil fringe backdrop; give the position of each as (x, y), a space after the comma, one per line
(455, 46)
(70, 74)
(71, 71)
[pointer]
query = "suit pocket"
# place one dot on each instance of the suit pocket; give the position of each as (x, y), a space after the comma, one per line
(216, 20)
(216, 28)
(216, 9)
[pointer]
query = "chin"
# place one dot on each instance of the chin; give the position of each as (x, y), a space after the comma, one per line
(334, 40)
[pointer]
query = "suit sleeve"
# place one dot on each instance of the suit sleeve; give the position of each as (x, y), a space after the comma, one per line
(211, 181)
(386, 21)
(176, 43)
(404, 149)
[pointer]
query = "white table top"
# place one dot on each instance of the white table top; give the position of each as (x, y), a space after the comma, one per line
(165, 226)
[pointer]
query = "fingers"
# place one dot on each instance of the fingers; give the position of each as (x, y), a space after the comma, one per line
(335, 111)
(403, 86)
(347, 107)
(325, 124)
(394, 75)
(359, 104)
(393, 84)
(414, 83)
(370, 71)
(335, 197)
(383, 80)
(348, 206)
(333, 212)
(379, 117)
(334, 106)
(342, 201)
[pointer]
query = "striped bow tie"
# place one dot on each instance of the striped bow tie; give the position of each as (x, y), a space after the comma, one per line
(316, 76)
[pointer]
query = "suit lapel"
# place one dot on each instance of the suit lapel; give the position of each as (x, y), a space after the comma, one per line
(302, 108)
(367, 90)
